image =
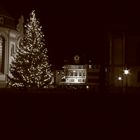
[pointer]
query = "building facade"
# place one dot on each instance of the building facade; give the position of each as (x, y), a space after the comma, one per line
(79, 75)
(9, 40)
(124, 53)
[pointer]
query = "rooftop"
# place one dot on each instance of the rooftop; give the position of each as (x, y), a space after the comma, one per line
(7, 21)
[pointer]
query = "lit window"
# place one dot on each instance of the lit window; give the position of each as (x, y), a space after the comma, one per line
(72, 80)
(79, 80)
(75, 74)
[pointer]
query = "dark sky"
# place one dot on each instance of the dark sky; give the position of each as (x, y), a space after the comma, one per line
(75, 27)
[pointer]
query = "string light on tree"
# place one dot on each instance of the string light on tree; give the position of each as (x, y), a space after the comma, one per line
(30, 67)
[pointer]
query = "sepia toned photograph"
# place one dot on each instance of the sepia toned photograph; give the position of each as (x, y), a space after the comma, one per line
(72, 67)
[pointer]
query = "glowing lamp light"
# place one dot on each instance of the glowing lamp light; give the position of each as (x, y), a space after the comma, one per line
(126, 71)
(119, 78)
(87, 87)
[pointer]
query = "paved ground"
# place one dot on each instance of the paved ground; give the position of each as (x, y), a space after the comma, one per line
(67, 110)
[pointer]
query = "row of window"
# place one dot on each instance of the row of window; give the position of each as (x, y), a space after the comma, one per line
(75, 80)
(76, 73)
(82, 80)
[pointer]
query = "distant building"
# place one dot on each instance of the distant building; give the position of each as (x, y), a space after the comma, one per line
(9, 40)
(78, 74)
(116, 59)
(124, 53)
(75, 74)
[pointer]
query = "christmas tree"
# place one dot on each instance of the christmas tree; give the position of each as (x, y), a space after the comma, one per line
(30, 67)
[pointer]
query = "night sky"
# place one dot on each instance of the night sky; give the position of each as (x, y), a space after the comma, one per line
(75, 27)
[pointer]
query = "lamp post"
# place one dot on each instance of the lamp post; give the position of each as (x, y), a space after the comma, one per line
(121, 82)
(126, 72)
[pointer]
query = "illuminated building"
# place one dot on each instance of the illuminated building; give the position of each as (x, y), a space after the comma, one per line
(75, 74)
(78, 75)
(10, 36)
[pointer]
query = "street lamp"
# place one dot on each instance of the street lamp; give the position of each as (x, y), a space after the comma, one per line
(119, 78)
(126, 72)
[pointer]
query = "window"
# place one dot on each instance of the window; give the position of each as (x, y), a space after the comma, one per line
(2, 54)
(79, 80)
(12, 49)
(75, 73)
(80, 74)
(71, 80)
(84, 74)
